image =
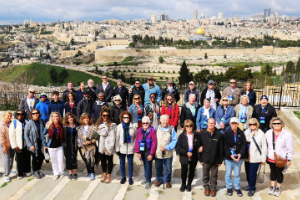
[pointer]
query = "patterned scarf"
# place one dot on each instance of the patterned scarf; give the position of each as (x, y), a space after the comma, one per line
(59, 134)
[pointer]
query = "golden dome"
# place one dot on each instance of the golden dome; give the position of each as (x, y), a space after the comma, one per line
(200, 30)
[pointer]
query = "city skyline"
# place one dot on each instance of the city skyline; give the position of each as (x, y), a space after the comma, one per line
(99, 10)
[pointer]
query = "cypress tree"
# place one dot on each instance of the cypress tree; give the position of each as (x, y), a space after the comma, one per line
(185, 75)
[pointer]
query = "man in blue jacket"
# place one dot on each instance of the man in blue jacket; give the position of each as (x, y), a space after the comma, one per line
(191, 90)
(42, 106)
(56, 105)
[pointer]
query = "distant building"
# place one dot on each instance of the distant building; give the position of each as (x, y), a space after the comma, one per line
(164, 17)
(26, 22)
(195, 14)
(220, 15)
(30, 21)
(153, 19)
(202, 16)
(200, 35)
(267, 12)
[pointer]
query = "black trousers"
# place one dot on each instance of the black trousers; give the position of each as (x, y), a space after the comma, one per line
(276, 173)
(106, 163)
(89, 166)
(184, 172)
(37, 161)
(23, 161)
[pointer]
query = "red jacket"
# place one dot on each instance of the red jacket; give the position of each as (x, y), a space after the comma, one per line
(173, 121)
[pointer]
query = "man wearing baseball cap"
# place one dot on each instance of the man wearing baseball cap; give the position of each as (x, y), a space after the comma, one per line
(211, 93)
(42, 106)
(171, 89)
(191, 90)
(233, 93)
(264, 112)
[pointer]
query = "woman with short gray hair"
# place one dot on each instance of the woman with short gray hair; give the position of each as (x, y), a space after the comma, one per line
(117, 108)
(243, 112)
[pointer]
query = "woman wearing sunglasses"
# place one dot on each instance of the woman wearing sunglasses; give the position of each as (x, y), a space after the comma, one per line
(283, 148)
(107, 131)
(171, 108)
(187, 148)
(223, 115)
(137, 110)
(17, 141)
(145, 147)
(257, 152)
(34, 135)
(125, 140)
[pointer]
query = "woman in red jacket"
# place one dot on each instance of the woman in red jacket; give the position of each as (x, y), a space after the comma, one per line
(171, 108)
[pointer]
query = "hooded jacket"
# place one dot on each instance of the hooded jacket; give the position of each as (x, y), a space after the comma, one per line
(44, 109)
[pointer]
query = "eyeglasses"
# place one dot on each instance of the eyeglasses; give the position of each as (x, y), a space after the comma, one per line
(32, 92)
(125, 117)
(35, 113)
(145, 123)
(169, 99)
(188, 126)
(232, 82)
(20, 114)
(117, 100)
(252, 124)
(105, 115)
(152, 97)
(276, 123)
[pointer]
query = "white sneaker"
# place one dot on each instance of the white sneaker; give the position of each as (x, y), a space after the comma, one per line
(28, 174)
(20, 177)
(55, 177)
(277, 191)
(7, 179)
(15, 173)
(271, 190)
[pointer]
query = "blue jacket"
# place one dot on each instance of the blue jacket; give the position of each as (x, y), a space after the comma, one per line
(44, 109)
(229, 113)
(133, 110)
(56, 107)
(201, 118)
(155, 90)
(79, 95)
(188, 92)
(68, 108)
(252, 97)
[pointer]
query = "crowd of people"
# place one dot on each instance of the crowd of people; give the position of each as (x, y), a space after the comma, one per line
(100, 122)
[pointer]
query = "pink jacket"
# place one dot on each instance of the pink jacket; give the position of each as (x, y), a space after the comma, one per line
(4, 134)
(150, 142)
(284, 145)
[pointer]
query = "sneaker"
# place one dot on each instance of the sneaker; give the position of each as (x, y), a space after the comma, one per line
(70, 176)
(123, 180)
(271, 190)
(251, 193)
(88, 175)
(92, 177)
(108, 179)
(28, 174)
(143, 182)
(239, 193)
(15, 173)
(130, 181)
(75, 177)
(61, 176)
(55, 177)
(41, 173)
(188, 188)
(277, 191)
(182, 188)
(246, 188)
(229, 192)
(20, 177)
(7, 179)
(148, 185)
(36, 175)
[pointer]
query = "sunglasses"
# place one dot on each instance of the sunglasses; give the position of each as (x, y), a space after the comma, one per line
(117, 100)
(152, 97)
(232, 82)
(276, 123)
(35, 113)
(150, 79)
(188, 126)
(169, 99)
(252, 124)
(43, 97)
(125, 117)
(104, 78)
(145, 123)
(105, 115)
(20, 114)
(137, 98)
(32, 92)
(225, 99)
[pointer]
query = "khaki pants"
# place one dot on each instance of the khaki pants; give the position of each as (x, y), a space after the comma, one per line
(210, 182)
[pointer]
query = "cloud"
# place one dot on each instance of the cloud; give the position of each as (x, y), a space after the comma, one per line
(98, 10)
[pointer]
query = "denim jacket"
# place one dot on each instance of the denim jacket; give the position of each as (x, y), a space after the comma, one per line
(134, 111)
(201, 118)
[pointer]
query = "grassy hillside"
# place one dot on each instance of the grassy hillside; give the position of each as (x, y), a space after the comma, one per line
(43, 77)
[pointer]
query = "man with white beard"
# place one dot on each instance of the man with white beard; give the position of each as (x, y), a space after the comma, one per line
(92, 90)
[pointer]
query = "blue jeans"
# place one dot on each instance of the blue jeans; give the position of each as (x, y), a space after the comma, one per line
(147, 167)
(159, 169)
(251, 173)
(129, 163)
(230, 166)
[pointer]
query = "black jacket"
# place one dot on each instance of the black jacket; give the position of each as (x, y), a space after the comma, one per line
(217, 96)
(269, 113)
(241, 143)
(92, 92)
(84, 107)
(213, 147)
(74, 134)
(174, 92)
(96, 109)
(68, 108)
(66, 92)
(187, 114)
(139, 91)
(182, 148)
(123, 94)
(115, 112)
(108, 91)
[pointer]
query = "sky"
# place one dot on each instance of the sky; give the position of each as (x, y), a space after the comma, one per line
(16, 11)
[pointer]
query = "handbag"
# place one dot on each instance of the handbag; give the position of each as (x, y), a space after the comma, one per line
(280, 163)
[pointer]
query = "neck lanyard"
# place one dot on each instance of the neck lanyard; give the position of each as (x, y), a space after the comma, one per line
(85, 131)
(57, 130)
(120, 89)
(234, 136)
(7, 124)
(71, 129)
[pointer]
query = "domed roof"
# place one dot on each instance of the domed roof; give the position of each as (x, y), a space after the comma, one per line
(200, 30)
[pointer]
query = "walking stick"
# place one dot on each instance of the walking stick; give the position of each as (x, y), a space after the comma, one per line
(163, 161)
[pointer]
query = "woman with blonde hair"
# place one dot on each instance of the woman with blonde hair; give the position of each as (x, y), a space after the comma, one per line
(223, 115)
(52, 140)
(87, 143)
(171, 108)
(248, 90)
(137, 110)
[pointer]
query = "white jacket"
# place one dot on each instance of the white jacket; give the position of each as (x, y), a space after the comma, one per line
(125, 148)
(16, 134)
(107, 138)
(255, 156)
